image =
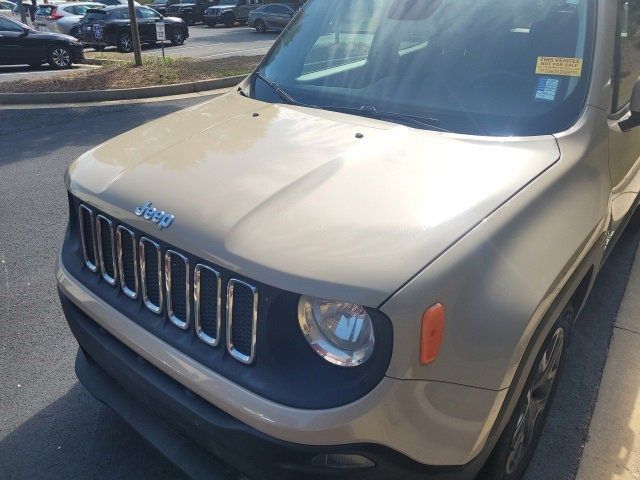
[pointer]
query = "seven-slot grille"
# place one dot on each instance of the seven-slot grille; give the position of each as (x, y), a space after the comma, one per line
(163, 279)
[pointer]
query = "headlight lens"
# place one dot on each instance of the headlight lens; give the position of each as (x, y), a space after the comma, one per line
(340, 332)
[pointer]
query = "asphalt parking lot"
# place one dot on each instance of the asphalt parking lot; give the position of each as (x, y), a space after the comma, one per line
(51, 428)
(203, 42)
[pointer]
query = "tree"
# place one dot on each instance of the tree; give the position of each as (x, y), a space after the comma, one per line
(135, 34)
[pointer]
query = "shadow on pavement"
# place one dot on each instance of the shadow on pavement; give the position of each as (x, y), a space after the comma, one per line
(26, 134)
(48, 445)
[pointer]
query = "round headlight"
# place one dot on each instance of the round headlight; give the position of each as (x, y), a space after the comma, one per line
(340, 332)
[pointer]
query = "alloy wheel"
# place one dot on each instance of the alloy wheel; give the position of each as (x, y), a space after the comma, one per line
(125, 43)
(535, 401)
(177, 37)
(61, 57)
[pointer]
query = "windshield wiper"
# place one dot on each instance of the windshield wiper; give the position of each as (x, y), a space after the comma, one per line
(365, 110)
(281, 93)
(372, 112)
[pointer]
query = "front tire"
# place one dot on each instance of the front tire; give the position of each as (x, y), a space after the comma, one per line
(517, 444)
(125, 42)
(229, 20)
(260, 26)
(177, 37)
(60, 57)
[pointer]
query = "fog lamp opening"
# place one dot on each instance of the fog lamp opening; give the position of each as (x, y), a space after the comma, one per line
(342, 461)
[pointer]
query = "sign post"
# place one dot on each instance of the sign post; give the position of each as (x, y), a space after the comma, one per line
(160, 34)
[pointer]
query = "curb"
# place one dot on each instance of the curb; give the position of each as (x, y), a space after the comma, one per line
(103, 61)
(118, 94)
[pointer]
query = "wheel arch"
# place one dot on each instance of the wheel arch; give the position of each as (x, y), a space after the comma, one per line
(574, 293)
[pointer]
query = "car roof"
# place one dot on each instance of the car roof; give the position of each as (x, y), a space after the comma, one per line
(79, 4)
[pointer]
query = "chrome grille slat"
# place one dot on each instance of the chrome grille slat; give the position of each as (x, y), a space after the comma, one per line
(172, 285)
(88, 250)
(118, 254)
(123, 262)
(249, 319)
(109, 277)
(146, 243)
(199, 273)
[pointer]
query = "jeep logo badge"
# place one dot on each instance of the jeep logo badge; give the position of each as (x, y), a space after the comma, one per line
(149, 212)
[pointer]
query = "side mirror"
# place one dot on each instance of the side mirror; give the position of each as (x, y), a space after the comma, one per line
(25, 32)
(634, 120)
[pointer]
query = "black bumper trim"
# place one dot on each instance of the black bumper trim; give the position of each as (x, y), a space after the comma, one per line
(202, 439)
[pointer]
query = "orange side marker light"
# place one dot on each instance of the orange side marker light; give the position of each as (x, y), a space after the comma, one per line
(432, 332)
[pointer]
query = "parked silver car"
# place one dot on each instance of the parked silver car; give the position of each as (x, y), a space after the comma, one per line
(380, 281)
(274, 16)
(62, 18)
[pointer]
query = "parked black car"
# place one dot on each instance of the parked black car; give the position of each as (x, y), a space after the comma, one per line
(228, 12)
(192, 11)
(111, 26)
(21, 45)
(159, 6)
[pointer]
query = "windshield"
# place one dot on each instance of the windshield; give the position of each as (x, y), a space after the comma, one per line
(482, 67)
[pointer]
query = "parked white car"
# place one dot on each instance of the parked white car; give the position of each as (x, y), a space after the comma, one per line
(62, 18)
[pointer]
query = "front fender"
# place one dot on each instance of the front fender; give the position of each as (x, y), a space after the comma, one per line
(499, 281)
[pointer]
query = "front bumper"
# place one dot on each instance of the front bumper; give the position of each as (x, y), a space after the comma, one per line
(77, 52)
(409, 429)
(207, 18)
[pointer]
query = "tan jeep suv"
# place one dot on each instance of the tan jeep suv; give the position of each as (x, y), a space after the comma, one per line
(365, 261)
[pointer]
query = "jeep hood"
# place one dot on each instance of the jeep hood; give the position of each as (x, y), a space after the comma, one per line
(289, 196)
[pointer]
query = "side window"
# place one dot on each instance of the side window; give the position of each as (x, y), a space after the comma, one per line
(627, 64)
(241, 3)
(145, 13)
(8, 26)
(120, 15)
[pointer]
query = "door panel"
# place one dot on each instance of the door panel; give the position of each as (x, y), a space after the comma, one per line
(11, 45)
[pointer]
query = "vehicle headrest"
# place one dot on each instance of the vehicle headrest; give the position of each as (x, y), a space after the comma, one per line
(557, 34)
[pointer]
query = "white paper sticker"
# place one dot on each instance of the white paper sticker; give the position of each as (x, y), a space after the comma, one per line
(547, 89)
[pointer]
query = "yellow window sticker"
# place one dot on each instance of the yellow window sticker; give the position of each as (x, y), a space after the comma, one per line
(567, 67)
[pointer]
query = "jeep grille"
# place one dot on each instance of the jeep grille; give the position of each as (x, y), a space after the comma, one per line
(170, 285)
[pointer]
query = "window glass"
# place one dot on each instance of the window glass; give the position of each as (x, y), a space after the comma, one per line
(280, 9)
(628, 51)
(44, 10)
(95, 16)
(146, 13)
(486, 67)
(9, 26)
(344, 40)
